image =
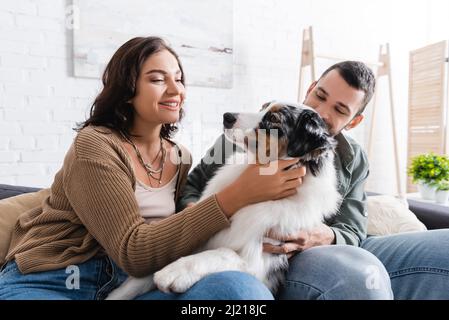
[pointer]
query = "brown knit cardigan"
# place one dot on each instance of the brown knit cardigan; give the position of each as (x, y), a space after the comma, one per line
(92, 209)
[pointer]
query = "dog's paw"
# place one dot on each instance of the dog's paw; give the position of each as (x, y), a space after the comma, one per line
(132, 288)
(178, 276)
(182, 274)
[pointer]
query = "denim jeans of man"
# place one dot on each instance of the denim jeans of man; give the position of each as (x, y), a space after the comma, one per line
(405, 266)
(94, 279)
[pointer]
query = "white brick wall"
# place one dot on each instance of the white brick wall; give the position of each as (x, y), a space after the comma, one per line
(22, 143)
(20, 7)
(4, 143)
(40, 100)
(9, 157)
(47, 142)
(7, 129)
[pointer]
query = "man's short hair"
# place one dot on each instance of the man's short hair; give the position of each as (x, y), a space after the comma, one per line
(358, 76)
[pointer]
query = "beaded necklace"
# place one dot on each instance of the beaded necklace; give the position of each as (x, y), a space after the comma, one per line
(151, 173)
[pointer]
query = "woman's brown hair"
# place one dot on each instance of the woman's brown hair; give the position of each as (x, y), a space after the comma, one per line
(111, 107)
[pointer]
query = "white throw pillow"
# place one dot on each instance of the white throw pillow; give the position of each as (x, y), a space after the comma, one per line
(389, 215)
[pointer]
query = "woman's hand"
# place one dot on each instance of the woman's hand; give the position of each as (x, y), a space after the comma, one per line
(271, 181)
(261, 183)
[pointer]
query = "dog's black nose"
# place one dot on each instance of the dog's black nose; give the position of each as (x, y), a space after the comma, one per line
(229, 119)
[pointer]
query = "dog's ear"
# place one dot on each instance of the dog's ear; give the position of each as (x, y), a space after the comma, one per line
(308, 136)
(265, 105)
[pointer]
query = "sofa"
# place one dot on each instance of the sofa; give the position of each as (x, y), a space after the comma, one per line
(7, 191)
(386, 214)
(433, 216)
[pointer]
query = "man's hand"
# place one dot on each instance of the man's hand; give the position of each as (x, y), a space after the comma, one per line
(303, 240)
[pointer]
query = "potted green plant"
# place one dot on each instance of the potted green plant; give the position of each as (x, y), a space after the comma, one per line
(442, 192)
(427, 170)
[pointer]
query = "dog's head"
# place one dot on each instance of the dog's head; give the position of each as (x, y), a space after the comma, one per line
(293, 130)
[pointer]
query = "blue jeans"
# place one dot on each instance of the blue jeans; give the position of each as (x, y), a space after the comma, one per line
(94, 279)
(405, 266)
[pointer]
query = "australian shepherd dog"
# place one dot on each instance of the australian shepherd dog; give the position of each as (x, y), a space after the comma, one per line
(278, 131)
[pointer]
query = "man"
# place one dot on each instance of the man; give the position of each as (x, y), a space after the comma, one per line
(337, 260)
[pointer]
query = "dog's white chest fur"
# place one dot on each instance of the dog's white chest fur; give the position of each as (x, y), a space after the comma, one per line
(239, 247)
(317, 199)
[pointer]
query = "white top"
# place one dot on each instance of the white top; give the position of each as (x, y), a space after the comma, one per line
(156, 203)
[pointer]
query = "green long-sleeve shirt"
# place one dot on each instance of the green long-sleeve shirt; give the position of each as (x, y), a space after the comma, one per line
(349, 225)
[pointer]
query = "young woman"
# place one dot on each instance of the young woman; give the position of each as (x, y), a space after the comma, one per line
(111, 210)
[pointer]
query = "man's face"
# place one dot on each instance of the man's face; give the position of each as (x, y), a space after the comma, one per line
(336, 102)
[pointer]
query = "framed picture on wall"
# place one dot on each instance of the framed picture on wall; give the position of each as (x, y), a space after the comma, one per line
(201, 32)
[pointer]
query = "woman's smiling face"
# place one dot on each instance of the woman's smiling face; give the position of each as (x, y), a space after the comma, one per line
(160, 92)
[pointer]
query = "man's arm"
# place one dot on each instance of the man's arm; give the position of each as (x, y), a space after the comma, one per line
(350, 224)
(205, 170)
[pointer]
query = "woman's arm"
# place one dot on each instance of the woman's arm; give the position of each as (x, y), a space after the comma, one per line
(103, 198)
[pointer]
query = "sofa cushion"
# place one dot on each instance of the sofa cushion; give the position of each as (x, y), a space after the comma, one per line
(389, 215)
(10, 209)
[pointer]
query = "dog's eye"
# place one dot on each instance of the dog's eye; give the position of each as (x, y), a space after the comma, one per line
(274, 118)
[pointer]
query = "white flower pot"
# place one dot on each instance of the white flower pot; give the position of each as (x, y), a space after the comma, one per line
(441, 196)
(427, 192)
